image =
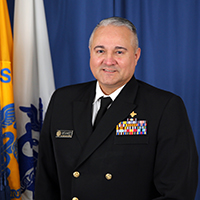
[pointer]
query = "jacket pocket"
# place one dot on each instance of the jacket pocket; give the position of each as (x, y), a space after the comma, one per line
(131, 139)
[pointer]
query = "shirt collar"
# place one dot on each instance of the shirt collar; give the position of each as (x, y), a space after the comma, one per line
(99, 93)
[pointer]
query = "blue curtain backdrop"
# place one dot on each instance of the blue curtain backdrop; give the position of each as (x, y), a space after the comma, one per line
(169, 35)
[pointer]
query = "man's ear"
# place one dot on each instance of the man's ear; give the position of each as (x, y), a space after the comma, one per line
(137, 54)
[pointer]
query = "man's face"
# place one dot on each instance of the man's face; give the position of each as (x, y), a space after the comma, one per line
(113, 56)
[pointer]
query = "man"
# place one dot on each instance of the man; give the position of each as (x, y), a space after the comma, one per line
(143, 146)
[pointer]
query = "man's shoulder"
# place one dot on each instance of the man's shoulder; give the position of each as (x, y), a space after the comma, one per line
(155, 95)
(71, 91)
(153, 90)
(157, 100)
(77, 86)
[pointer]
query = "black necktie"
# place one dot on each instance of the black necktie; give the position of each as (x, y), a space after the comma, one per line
(105, 102)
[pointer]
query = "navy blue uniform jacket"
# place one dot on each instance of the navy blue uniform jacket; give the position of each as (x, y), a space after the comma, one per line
(159, 165)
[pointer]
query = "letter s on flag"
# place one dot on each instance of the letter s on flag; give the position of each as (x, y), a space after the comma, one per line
(7, 77)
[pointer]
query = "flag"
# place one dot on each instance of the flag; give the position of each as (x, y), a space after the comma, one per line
(9, 168)
(33, 85)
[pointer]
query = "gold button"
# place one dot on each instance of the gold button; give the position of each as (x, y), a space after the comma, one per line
(108, 176)
(75, 198)
(76, 174)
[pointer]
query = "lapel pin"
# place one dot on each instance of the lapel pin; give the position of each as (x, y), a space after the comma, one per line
(133, 114)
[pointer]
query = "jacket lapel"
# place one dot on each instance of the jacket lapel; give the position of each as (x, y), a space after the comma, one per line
(82, 111)
(119, 110)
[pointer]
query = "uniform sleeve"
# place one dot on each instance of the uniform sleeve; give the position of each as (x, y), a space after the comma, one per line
(176, 164)
(46, 186)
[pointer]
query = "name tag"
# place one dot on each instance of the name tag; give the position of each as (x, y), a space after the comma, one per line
(64, 133)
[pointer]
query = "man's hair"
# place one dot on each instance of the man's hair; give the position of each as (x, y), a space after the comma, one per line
(116, 21)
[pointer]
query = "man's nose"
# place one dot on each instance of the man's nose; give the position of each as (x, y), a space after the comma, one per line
(109, 60)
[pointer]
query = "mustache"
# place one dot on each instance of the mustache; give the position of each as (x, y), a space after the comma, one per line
(110, 67)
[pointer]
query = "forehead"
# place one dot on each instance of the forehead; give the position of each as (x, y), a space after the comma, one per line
(112, 34)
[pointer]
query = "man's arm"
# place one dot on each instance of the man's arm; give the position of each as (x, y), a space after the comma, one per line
(46, 186)
(176, 164)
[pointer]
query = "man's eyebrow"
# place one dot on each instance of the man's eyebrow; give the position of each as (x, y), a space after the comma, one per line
(99, 46)
(119, 47)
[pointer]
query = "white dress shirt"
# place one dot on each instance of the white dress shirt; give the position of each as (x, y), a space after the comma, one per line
(97, 101)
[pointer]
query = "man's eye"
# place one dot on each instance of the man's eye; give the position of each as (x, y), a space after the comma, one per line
(119, 52)
(100, 51)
